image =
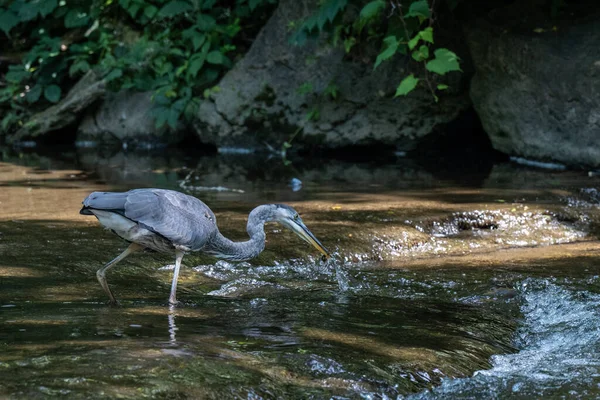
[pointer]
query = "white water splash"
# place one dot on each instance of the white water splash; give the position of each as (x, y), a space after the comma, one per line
(560, 351)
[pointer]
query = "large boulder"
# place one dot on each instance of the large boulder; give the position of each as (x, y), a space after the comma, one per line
(125, 116)
(537, 92)
(260, 100)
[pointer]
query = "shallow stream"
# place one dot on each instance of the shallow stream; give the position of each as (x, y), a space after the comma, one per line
(443, 285)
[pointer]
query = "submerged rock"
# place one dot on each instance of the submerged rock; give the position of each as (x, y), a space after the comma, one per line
(537, 88)
(268, 95)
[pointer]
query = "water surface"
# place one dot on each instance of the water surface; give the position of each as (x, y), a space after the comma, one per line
(443, 285)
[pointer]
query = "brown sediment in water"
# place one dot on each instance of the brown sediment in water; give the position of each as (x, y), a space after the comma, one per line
(32, 194)
(385, 225)
(411, 324)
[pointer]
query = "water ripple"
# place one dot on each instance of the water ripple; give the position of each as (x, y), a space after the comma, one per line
(559, 356)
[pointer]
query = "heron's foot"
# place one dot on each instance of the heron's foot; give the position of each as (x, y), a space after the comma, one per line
(113, 303)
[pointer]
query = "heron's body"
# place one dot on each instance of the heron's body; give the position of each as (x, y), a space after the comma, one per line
(172, 222)
(133, 232)
(161, 220)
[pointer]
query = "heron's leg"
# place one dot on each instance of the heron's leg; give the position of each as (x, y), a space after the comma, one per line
(178, 256)
(101, 273)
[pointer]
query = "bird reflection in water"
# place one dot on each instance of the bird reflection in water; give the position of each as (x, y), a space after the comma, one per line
(172, 326)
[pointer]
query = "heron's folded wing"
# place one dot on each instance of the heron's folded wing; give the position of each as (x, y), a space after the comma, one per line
(168, 214)
(109, 201)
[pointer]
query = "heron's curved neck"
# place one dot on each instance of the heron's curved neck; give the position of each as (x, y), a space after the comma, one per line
(221, 247)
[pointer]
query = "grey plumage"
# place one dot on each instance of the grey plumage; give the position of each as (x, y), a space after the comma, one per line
(181, 219)
(169, 221)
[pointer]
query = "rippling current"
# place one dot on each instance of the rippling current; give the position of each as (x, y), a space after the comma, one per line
(558, 355)
(439, 288)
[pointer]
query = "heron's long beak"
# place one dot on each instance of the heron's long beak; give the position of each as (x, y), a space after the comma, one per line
(305, 234)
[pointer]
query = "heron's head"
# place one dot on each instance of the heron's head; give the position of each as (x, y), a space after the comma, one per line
(290, 218)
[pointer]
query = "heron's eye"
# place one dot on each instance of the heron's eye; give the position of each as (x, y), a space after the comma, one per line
(296, 217)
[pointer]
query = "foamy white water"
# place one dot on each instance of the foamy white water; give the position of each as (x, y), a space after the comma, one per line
(559, 356)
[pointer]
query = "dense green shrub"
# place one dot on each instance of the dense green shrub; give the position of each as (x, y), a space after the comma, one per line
(176, 48)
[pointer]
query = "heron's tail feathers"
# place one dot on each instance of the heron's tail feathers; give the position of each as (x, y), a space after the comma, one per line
(109, 201)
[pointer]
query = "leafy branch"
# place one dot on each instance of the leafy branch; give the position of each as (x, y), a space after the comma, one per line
(401, 27)
(175, 48)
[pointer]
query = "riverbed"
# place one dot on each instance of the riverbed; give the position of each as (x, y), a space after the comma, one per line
(442, 285)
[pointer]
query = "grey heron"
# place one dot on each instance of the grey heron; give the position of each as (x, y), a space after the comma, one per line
(172, 222)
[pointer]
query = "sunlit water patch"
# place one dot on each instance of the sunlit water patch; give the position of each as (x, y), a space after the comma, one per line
(397, 312)
(515, 228)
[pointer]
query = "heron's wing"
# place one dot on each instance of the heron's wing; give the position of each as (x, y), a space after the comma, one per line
(107, 201)
(182, 219)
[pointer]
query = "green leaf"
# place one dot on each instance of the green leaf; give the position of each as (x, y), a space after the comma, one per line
(80, 66)
(205, 22)
(421, 54)
(331, 8)
(52, 93)
(17, 74)
(442, 86)
(179, 105)
(27, 13)
(198, 41)
(370, 10)
(391, 47)
(45, 7)
(412, 43)
(215, 57)
(133, 10)
(173, 118)
(313, 115)
(444, 61)
(6, 121)
(208, 76)
(253, 4)
(34, 94)
(114, 74)
(349, 43)
(8, 20)
(331, 90)
(305, 88)
(196, 64)
(173, 8)
(76, 18)
(208, 4)
(5, 95)
(419, 9)
(160, 116)
(175, 51)
(427, 34)
(150, 11)
(407, 85)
